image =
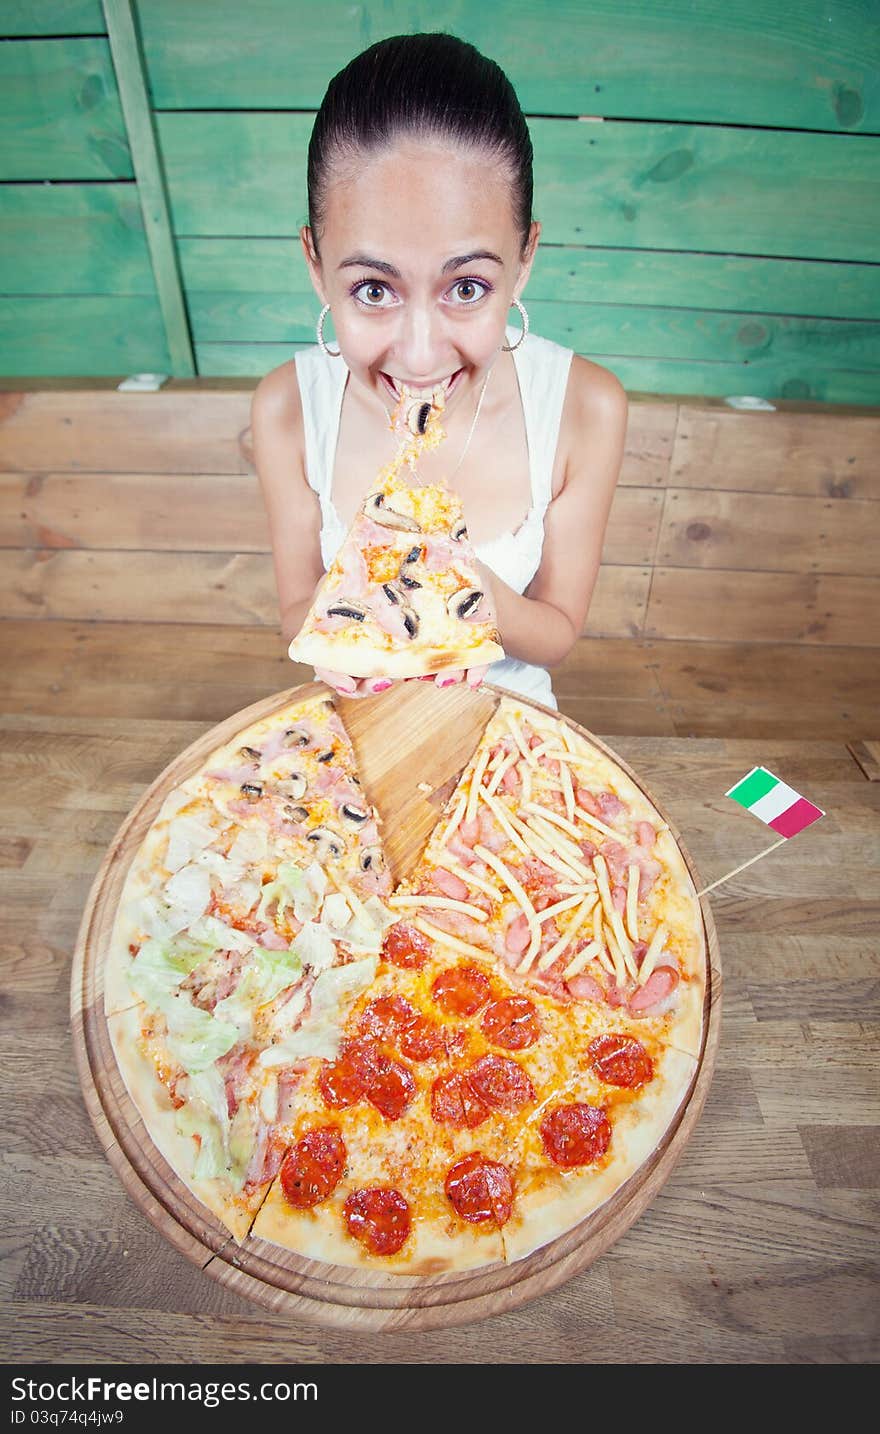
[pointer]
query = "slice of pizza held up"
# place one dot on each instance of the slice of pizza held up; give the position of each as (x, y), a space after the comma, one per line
(403, 597)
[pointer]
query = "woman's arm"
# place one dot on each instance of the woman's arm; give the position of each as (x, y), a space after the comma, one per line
(543, 625)
(291, 505)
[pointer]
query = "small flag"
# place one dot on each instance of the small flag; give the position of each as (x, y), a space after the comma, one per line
(775, 804)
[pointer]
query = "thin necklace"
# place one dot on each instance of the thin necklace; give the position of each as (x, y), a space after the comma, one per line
(467, 442)
(473, 425)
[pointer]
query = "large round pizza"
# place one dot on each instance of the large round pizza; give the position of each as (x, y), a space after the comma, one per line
(420, 1076)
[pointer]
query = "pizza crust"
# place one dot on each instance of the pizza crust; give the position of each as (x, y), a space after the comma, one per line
(440, 1243)
(358, 659)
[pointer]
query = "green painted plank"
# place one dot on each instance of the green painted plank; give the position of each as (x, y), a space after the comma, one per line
(801, 64)
(128, 62)
(765, 379)
(90, 336)
(73, 239)
(59, 112)
(254, 269)
(632, 186)
(51, 17)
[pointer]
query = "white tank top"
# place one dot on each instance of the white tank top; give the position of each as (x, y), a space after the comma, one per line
(542, 369)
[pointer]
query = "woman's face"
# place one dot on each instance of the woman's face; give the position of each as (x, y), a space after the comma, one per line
(420, 261)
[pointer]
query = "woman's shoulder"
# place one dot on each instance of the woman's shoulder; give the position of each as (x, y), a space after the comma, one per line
(276, 400)
(593, 425)
(591, 390)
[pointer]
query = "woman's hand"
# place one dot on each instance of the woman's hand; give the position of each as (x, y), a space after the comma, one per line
(352, 686)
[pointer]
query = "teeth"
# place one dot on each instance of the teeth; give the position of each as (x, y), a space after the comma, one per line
(406, 390)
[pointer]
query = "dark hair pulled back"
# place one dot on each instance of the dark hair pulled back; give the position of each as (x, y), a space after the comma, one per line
(431, 86)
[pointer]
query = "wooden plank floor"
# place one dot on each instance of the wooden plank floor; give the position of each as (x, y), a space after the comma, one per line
(762, 1247)
(633, 685)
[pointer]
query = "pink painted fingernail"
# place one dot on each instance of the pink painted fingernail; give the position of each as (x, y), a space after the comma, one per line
(381, 686)
(449, 682)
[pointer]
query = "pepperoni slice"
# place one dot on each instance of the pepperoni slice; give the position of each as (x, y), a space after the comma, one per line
(344, 1081)
(575, 1134)
(422, 1040)
(453, 1102)
(621, 1061)
(312, 1169)
(405, 946)
(378, 1218)
(512, 1023)
(390, 1088)
(385, 1018)
(500, 1083)
(480, 1190)
(461, 990)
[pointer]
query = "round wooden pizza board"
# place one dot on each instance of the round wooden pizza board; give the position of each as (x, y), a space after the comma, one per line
(411, 747)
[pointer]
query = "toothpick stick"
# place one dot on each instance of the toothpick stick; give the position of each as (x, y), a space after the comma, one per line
(721, 880)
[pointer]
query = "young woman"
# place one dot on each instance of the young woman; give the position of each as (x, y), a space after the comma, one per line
(420, 240)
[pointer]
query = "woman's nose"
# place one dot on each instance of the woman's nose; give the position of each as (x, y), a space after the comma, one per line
(421, 344)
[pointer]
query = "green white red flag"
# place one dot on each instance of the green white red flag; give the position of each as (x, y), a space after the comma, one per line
(774, 803)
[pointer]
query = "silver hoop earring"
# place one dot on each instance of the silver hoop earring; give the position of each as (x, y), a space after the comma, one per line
(331, 353)
(509, 348)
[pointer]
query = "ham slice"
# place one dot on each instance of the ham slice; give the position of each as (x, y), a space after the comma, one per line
(585, 988)
(659, 986)
(449, 884)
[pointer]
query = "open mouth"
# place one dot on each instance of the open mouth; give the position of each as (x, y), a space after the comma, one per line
(424, 391)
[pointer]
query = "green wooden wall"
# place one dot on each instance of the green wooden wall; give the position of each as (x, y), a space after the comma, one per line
(707, 175)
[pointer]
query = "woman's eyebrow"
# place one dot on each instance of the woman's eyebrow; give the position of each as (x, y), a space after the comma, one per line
(365, 261)
(461, 259)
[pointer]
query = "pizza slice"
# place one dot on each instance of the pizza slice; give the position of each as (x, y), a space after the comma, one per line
(403, 597)
(250, 918)
(590, 908)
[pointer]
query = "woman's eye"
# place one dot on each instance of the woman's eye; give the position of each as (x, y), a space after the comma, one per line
(373, 294)
(467, 291)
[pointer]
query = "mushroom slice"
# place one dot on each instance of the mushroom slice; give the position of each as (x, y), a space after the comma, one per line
(328, 846)
(376, 508)
(372, 859)
(251, 753)
(464, 603)
(295, 814)
(297, 737)
(351, 610)
(391, 593)
(355, 814)
(417, 418)
(459, 530)
(252, 790)
(293, 786)
(410, 621)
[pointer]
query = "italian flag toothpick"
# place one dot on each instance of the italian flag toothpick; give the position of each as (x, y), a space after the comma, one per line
(774, 803)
